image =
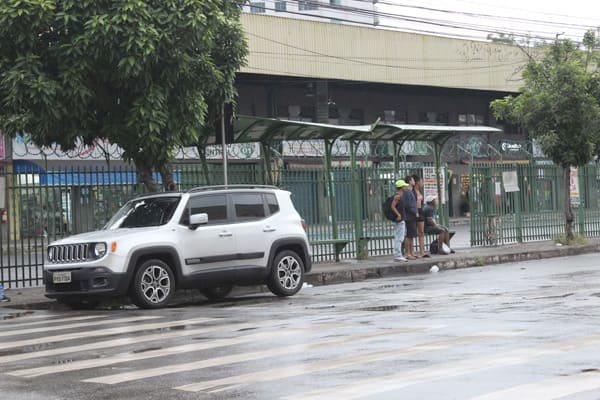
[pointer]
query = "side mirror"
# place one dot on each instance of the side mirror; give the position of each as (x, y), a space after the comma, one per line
(197, 220)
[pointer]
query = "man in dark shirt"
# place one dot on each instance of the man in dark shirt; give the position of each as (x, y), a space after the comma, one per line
(431, 227)
(411, 214)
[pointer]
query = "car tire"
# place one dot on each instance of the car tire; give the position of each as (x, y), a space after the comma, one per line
(79, 303)
(217, 292)
(153, 284)
(287, 274)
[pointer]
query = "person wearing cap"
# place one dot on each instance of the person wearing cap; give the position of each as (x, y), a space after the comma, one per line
(433, 228)
(400, 228)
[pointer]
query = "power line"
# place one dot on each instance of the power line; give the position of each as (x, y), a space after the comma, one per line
(479, 15)
(426, 21)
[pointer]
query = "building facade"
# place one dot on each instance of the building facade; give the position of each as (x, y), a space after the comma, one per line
(336, 11)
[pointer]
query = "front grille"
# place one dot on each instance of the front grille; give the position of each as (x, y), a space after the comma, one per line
(68, 253)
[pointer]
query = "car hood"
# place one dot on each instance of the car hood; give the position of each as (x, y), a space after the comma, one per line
(106, 235)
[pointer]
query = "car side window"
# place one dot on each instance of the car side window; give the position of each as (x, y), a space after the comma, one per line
(272, 203)
(249, 206)
(213, 205)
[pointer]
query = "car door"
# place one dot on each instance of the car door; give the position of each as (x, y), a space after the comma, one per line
(209, 246)
(254, 227)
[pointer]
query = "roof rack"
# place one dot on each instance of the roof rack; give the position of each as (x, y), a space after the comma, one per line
(224, 187)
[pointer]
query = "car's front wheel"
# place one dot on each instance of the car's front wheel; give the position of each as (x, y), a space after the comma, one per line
(153, 284)
(287, 274)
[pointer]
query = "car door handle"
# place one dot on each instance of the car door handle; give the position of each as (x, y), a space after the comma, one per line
(269, 229)
(225, 234)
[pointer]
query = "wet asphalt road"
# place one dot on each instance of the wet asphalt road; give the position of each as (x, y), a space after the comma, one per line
(510, 331)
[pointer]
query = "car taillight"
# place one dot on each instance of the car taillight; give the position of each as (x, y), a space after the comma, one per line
(303, 222)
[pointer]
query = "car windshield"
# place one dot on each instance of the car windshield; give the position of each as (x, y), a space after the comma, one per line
(142, 213)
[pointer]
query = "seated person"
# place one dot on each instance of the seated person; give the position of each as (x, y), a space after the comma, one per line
(431, 227)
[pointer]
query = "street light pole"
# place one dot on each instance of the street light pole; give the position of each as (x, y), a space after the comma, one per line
(223, 144)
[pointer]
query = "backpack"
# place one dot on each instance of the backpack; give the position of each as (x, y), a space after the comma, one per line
(433, 247)
(386, 207)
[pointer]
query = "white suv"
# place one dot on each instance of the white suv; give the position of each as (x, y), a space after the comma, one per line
(209, 238)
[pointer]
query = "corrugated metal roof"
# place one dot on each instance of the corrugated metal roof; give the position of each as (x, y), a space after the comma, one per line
(293, 47)
(257, 129)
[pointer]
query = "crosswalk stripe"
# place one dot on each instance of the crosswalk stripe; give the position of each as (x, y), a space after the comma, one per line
(129, 340)
(16, 318)
(95, 333)
(241, 357)
(548, 389)
(169, 351)
(50, 321)
(73, 326)
(302, 369)
(381, 384)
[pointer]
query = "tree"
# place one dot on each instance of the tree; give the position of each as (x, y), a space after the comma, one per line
(559, 105)
(142, 73)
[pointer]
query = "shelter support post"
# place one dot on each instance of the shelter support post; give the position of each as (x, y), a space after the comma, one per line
(266, 149)
(362, 250)
(437, 150)
(330, 189)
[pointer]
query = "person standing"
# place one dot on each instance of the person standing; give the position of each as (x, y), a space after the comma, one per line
(418, 190)
(3, 297)
(410, 218)
(397, 207)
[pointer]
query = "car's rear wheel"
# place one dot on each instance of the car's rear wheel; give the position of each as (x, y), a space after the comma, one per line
(287, 274)
(217, 292)
(153, 284)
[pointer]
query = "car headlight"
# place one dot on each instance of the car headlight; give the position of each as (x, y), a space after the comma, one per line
(99, 249)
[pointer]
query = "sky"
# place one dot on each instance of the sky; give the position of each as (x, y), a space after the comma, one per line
(476, 18)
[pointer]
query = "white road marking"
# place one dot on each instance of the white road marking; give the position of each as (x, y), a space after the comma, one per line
(548, 389)
(382, 384)
(169, 351)
(302, 369)
(241, 357)
(50, 321)
(73, 326)
(128, 340)
(95, 333)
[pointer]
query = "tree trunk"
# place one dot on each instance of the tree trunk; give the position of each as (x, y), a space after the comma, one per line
(167, 178)
(202, 153)
(568, 210)
(145, 176)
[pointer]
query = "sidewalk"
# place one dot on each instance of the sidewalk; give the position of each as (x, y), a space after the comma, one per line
(358, 270)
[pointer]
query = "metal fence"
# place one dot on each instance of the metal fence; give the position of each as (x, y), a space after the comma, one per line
(534, 212)
(42, 206)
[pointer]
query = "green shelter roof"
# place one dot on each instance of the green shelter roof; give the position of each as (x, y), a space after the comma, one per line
(257, 129)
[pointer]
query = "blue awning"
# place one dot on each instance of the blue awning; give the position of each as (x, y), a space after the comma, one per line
(26, 167)
(88, 178)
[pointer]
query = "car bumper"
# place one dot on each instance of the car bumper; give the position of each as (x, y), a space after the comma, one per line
(97, 281)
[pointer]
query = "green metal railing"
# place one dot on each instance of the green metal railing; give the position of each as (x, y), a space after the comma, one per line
(536, 211)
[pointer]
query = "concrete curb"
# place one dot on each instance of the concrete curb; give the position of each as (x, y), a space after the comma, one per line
(353, 271)
(361, 274)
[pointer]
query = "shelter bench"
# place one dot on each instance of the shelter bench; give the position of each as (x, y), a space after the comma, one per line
(338, 245)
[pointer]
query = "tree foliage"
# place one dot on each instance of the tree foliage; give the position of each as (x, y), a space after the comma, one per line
(559, 105)
(142, 73)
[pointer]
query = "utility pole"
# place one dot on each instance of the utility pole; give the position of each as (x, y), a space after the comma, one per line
(223, 144)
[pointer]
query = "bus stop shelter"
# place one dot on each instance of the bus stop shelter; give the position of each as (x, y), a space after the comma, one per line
(267, 131)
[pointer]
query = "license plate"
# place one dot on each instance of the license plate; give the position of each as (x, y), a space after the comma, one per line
(61, 277)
